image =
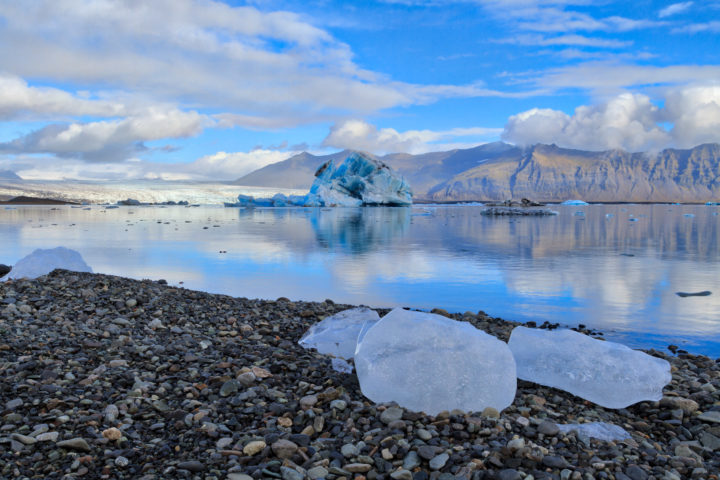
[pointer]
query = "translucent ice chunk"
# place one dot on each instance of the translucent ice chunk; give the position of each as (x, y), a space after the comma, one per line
(337, 335)
(41, 262)
(430, 363)
(606, 432)
(607, 373)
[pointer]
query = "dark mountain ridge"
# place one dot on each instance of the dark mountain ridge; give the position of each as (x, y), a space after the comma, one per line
(499, 171)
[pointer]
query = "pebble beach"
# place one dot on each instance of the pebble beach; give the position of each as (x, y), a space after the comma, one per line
(107, 377)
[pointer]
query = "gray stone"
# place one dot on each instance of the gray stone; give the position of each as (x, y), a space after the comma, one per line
(14, 403)
(284, 448)
(391, 414)
(122, 461)
(191, 465)
(439, 461)
(357, 467)
(508, 474)
(75, 444)
(553, 461)
(229, 387)
(24, 439)
(317, 472)
(548, 428)
(47, 437)
(411, 461)
(338, 405)
(636, 473)
(710, 441)
(711, 417)
(349, 450)
(426, 452)
(423, 434)
(291, 474)
(401, 474)
(240, 476)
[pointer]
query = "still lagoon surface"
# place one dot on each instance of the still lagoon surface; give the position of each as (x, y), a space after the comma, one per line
(615, 268)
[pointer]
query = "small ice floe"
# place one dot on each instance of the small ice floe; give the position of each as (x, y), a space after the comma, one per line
(632, 219)
(606, 373)
(607, 432)
(43, 261)
(574, 202)
(689, 215)
(337, 335)
(430, 363)
(609, 215)
(579, 213)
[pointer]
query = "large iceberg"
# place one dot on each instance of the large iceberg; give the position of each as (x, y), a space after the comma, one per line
(430, 363)
(606, 373)
(358, 180)
(337, 335)
(43, 261)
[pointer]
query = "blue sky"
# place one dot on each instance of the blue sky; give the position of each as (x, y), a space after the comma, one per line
(211, 90)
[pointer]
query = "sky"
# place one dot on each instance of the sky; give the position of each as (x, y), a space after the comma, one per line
(212, 89)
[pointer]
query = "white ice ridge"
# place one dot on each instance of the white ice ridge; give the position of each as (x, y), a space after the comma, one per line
(606, 373)
(430, 363)
(574, 202)
(41, 262)
(606, 432)
(337, 335)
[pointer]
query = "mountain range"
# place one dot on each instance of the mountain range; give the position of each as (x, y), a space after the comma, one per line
(9, 175)
(548, 173)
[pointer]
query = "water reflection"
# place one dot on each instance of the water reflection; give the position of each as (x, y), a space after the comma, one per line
(616, 268)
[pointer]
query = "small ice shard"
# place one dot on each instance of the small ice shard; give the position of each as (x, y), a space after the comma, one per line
(704, 293)
(340, 365)
(41, 262)
(607, 432)
(574, 202)
(430, 363)
(337, 335)
(606, 373)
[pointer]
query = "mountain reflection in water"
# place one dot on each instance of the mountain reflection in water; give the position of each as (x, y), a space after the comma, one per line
(615, 268)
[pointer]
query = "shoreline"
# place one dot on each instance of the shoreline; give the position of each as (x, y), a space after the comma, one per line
(109, 377)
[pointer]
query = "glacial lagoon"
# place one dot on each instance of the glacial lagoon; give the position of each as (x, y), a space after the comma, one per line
(615, 268)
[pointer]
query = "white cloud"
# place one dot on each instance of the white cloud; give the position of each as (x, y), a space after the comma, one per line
(707, 27)
(202, 53)
(674, 9)
(562, 40)
(19, 100)
(230, 166)
(628, 121)
(108, 140)
(360, 135)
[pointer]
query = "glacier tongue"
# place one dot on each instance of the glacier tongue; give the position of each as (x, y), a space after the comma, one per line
(430, 363)
(337, 335)
(43, 261)
(606, 373)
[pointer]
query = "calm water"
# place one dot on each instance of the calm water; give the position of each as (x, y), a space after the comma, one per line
(589, 265)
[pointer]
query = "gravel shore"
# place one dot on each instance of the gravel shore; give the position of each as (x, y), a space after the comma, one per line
(107, 377)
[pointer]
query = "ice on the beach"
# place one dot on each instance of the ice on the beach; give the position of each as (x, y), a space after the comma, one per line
(44, 261)
(607, 432)
(430, 363)
(337, 335)
(574, 202)
(606, 373)
(340, 365)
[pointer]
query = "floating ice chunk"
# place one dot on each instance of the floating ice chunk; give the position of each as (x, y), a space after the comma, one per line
(337, 335)
(607, 373)
(574, 202)
(607, 432)
(430, 363)
(41, 262)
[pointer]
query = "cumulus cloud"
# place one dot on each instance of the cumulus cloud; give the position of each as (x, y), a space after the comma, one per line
(628, 121)
(674, 9)
(19, 100)
(236, 59)
(230, 166)
(361, 135)
(108, 140)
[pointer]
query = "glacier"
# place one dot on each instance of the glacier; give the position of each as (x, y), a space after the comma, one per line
(430, 363)
(606, 373)
(337, 335)
(43, 261)
(355, 181)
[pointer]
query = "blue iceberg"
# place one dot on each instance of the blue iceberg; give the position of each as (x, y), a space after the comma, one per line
(356, 181)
